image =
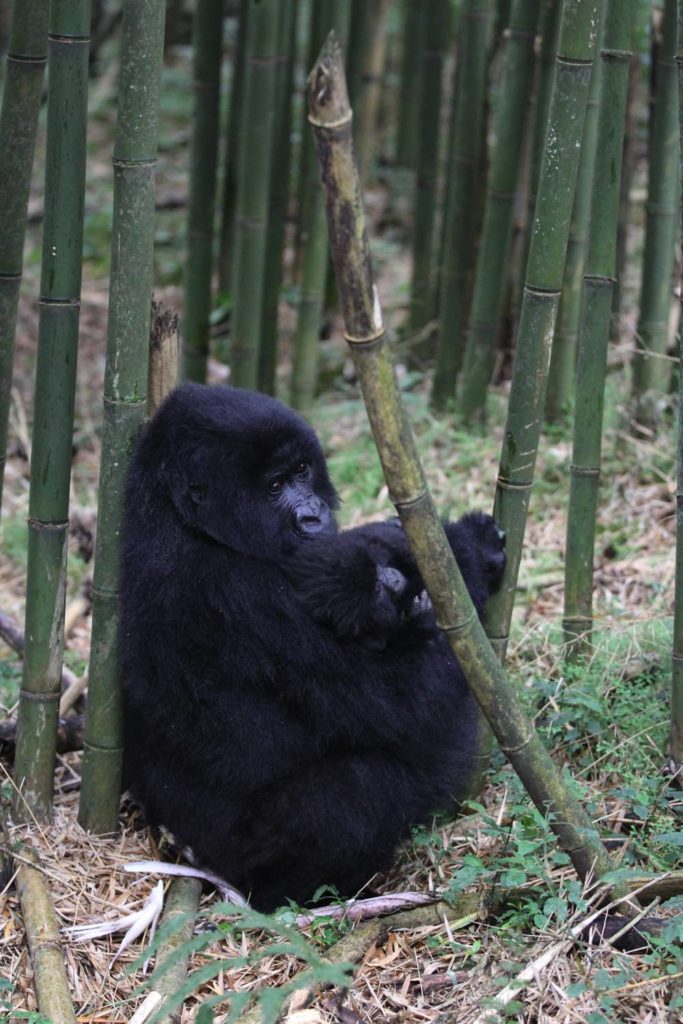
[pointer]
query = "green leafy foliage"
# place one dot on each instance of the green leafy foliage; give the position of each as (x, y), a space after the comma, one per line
(277, 936)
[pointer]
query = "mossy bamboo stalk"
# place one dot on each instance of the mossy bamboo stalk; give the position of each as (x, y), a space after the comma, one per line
(53, 407)
(467, 138)
(207, 39)
(591, 366)
(42, 934)
(125, 390)
(677, 660)
(330, 117)
(650, 369)
(435, 42)
(541, 295)
(253, 184)
(371, 87)
(25, 65)
(279, 193)
(315, 255)
(414, 25)
(562, 370)
(230, 162)
(491, 275)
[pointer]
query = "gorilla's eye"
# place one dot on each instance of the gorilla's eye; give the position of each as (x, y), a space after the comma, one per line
(274, 487)
(197, 493)
(302, 469)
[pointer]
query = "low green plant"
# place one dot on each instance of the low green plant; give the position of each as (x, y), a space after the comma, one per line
(278, 937)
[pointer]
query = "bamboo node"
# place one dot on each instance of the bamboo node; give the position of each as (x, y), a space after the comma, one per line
(512, 751)
(590, 472)
(459, 627)
(370, 339)
(331, 125)
(40, 696)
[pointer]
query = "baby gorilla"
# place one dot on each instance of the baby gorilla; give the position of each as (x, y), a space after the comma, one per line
(290, 708)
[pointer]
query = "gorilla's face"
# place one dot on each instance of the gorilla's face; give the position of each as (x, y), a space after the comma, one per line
(241, 468)
(298, 508)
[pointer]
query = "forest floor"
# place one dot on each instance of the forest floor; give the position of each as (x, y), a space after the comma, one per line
(606, 721)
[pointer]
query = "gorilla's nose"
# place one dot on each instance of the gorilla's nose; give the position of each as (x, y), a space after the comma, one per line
(312, 516)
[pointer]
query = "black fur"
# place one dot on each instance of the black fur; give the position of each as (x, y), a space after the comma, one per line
(290, 726)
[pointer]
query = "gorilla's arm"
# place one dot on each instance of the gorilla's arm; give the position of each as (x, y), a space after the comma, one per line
(365, 582)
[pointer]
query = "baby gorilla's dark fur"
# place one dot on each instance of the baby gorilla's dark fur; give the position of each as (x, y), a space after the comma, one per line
(290, 708)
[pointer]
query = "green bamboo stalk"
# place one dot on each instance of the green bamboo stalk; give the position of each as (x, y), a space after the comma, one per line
(413, 32)
(230, 170)
(53, 407)
(371, 88)
(467, 138)
(491, 275)
(253, 183)
(330, 117)
(125, 390)
(279, 193)
(359, 41)
(436, 38)
(315, 252)
(26, 58)
(677, 659)
(595, 324)
(207, 38)
(548, 31)
(541, 295)
(562, 369)
(650, 369)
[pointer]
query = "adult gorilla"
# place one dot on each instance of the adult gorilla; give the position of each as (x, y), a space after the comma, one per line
(290, 708)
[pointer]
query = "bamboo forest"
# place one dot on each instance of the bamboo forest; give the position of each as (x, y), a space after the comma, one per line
(341, 511)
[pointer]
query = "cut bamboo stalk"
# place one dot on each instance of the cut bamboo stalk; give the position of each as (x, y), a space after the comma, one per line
(207, 39)
(330, 118)
(42, 935)
(125, 390)
(25, 65)
(650, 368)
(491, 277)
(163, 355)
(591, 366)
(60, 287)
(464, 165)
(541, 296)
